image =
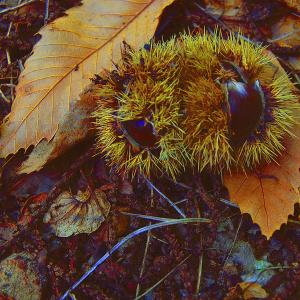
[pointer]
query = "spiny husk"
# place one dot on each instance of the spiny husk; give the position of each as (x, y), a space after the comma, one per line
(207, 127)
(180, 84)
(144, 86)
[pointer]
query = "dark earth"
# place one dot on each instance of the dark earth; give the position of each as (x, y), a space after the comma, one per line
(217, 256)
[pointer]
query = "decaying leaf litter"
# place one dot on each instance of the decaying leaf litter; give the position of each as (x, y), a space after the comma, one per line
(172, 245)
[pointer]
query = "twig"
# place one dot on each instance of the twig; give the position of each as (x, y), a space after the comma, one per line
(125, 240)
(4, 97)
(146, 217)
(229, 203)
(181, 201)
(138, 287)
(283, 36)
(217, 20)
(162, 279)
(234, 241)
(200, 265)
(7, 85)
(46, 11)
(179, 183)
(143, 263)
(11, 9)
(20, 64)
(8, 56)
(166, 198)
(200, 268)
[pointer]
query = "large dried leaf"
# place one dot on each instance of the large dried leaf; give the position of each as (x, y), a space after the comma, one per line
(83, 213)
(269, 194)
(72, 49)
(76, 127)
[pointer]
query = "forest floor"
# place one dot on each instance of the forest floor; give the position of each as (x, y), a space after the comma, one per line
(206, 261)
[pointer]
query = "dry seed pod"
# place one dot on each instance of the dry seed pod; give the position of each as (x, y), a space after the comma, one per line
(208, 101)
(239, 104)
(139, 113)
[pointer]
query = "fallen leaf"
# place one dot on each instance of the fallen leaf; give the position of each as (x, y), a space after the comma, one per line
(76, 127)
(19, 277)
(286, 32)
(72, 49)
(252, 290)
(232, 8)
(31, 204)
(83, 213)
(269, 194)
(242, 260)
(245, 291)
(231, 13)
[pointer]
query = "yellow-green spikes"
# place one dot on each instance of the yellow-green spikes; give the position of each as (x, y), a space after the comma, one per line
(201, 101)
(139, 113)
(246, 103)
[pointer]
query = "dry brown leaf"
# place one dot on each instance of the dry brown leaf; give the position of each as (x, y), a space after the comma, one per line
(231, 8)
(83, 213)
(252, 290)
(76, 126)
(230, 12)
(286, 32)
(246, 290)
(72, 49)
(269, 194)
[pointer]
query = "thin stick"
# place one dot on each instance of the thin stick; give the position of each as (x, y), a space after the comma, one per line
(125, 240)
(8, 56)
(166, 198)
(138, 287)
(11, 9)
(162, 279)
(46, 11)
(4, 97)
(200, 266)
(229, 203)
(146, 217)
(234, 241)
(20, 64)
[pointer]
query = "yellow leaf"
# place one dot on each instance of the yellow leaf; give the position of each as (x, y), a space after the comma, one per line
(245, 291)
(72, 49)
(269, 194)
(83, 213)
(252, 290)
